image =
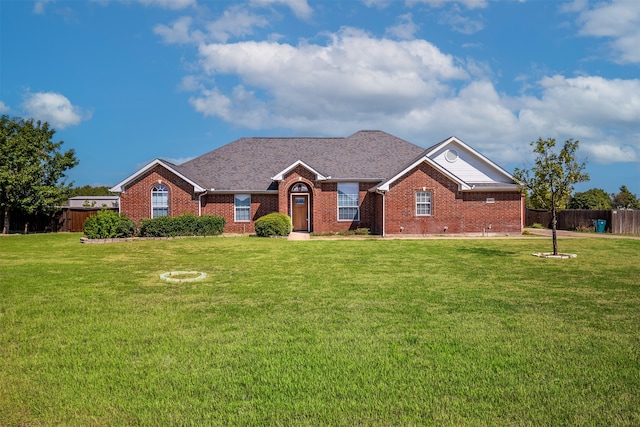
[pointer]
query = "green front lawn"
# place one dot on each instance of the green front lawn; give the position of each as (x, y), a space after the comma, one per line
(362, 332)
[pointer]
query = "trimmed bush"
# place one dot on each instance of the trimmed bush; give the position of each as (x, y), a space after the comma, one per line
(107, 224)
(210, 225)
(273, 224)
(183, 225)
(362, 232)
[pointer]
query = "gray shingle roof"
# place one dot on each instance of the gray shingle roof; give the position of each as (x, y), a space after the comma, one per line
(248, 164)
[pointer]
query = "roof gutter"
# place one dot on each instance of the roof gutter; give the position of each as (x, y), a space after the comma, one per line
(499, 188)
(213, 191)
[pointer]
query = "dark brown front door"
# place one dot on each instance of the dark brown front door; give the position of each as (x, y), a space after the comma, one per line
(300, 212)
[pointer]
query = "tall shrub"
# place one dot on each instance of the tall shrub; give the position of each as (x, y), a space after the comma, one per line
(273, 224)
(210, 225)
(107, 224)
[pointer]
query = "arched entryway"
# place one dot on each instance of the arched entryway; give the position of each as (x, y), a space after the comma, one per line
(300, 206)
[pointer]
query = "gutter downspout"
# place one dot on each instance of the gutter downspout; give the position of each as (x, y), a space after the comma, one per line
(523, 213)
(204, 193)
(120, 201)
(384, 215)
(384, 212)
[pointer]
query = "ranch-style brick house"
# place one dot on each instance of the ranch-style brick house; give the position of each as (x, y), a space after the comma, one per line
(370, 179)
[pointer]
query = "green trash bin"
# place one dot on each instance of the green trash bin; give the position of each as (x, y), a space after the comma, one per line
(600, 225)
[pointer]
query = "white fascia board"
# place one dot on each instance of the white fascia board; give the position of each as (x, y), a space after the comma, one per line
(449, 140)
(461, 184)
(484, 188)
(242, 191)
(119, 188)
(280, 175)
(330, 179)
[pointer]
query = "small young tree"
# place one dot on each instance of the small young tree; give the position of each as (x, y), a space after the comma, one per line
(32, 168)
(550, 181)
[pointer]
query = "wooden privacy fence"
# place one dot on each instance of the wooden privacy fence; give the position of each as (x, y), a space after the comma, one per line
(74, 218)
(64, 219)
(625, 221)
(620, 221)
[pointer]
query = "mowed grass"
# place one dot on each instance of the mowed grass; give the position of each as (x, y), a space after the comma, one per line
(340, 332)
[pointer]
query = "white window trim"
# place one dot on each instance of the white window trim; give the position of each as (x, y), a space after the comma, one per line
(357, 207)
(430, 203)
(243, 208)
(165, 191)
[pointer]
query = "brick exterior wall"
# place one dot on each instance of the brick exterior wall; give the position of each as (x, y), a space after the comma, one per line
(324, 202)
(135, 201)
(223, 205)
(458, 212)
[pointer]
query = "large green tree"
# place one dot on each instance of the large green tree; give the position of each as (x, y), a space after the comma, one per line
(550, 181)
(625, 199)
(595, 198)
(88, 190)
(32, 167)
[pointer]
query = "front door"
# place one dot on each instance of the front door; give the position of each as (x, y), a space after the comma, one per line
(300, 212)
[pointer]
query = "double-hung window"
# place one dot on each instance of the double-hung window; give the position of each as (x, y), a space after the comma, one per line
(159, 201)
(423, 203)
(348, 201)
(242, 204)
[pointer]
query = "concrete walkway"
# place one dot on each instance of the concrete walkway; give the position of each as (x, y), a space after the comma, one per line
(298, 235)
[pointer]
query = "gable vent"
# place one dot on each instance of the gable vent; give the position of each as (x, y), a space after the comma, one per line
(451, 155)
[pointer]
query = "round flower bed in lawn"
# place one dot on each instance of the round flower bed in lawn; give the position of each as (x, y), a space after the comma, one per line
(183, 276)
(551, 255)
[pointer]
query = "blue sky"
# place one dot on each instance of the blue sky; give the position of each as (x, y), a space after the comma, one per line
(124, 82)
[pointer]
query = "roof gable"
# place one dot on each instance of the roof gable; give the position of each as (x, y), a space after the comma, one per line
(466, 163)
(280, 175)
(423, 159)
(462, 164)
(119, 187)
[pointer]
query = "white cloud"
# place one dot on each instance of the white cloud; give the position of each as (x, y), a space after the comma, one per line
(612, 152)
(618, 20)
(581, 107)
(469, 4)
(177, 33)
(235, 21)
(39, 6)
(352, 75)
(593, 100)
(412, 89)
(4, 108)
(300, 8)
(405, 29)
(453, 16)
(379, 4)
(460, 23)
(54, 108)
(178, 160)
(168, 4)
(603, 114)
